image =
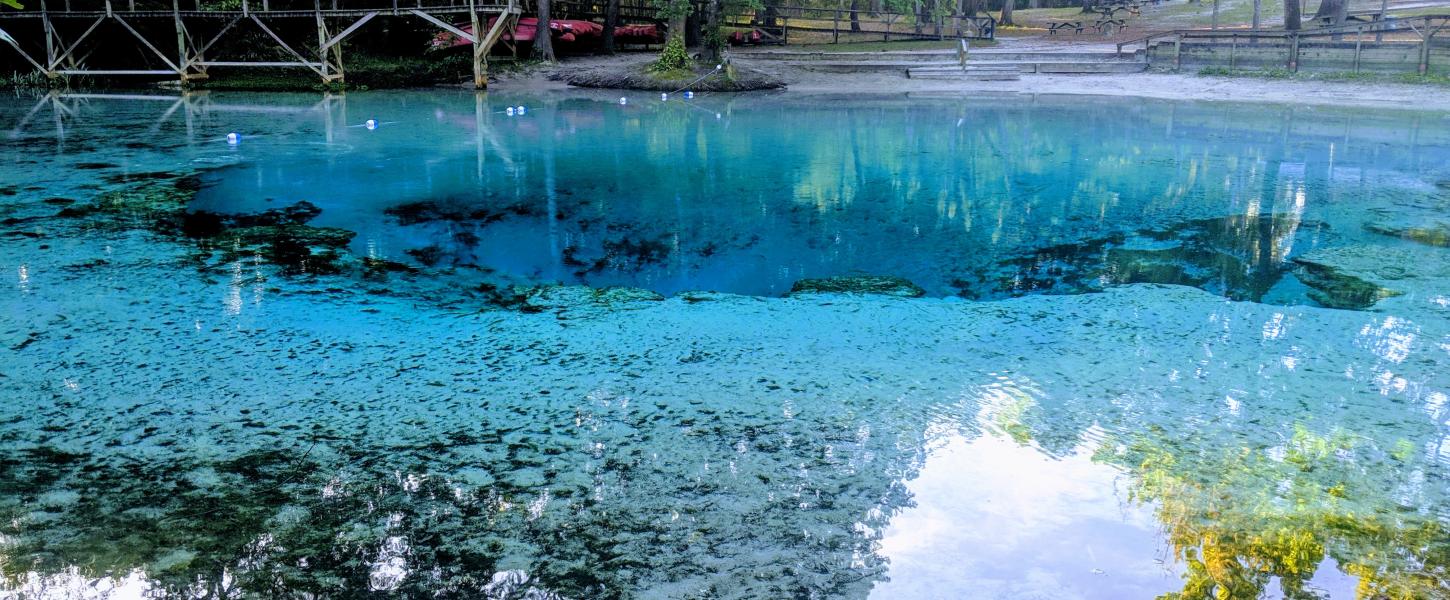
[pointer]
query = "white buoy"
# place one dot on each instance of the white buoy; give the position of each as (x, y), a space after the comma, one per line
(623, 100)
(717, 115)
(520, 109)
(718, 67)
(664, 96)
(371, 124)
(689, 95)
(510, 111)
(233, 138)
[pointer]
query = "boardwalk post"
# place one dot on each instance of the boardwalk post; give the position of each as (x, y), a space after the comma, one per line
(49, 41)
(181, 60)
(1178, 53)
(321, 41)
(480, 76)
(1294, 54)
(1358, 41)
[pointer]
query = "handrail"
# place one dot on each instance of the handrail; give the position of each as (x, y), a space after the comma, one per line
(1388, 24)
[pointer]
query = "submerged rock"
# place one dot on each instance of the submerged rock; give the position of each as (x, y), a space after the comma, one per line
(1431, 234)
(885, 285)
(1238, 256)
(1348, 277)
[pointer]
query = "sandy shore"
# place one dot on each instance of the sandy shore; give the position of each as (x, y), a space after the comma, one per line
(1176, 86)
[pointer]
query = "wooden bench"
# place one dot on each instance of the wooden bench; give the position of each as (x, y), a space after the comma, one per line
(1054, 26)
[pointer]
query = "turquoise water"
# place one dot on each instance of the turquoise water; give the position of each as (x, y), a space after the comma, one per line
(1160, 348)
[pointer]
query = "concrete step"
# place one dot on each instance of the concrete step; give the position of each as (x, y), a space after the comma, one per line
(974, 72)
(925, 56)
(912, 69)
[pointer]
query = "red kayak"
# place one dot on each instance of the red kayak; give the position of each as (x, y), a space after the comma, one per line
(563, 30)
(567, 31)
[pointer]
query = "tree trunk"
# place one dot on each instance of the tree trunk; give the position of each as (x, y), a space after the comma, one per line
(714, 34)
(611, 20)
(544, 37)
(1006, 12)
(1258, 13)
(1291, 15)
(677, 27)
(1333, 9)
(855, 15)
(1087, 5)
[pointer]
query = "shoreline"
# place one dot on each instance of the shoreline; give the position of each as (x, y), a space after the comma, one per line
(1155, 85)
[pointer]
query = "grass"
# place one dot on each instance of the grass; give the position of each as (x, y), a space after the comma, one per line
(1431, 79)
(29, 80)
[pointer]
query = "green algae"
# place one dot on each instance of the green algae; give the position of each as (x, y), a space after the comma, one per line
(859, 284)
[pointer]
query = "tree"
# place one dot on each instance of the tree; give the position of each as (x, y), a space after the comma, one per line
(855, 15)
(1335, 10)
(1006, 12)
(543, 35)
(611, 20)
(1291, 15)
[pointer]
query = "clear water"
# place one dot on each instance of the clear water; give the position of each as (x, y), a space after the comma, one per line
(1164, 348)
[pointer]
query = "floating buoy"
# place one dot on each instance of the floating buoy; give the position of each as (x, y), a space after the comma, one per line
(521, 109)
(717, 115)
(233, 138)
(623, 100)
(689, 95)
(664, 96)
(371, 124)
(718, 67)
(510, 111)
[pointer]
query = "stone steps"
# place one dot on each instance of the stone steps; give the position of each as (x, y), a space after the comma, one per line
(912, 69)
(927, 56)
(976, 72)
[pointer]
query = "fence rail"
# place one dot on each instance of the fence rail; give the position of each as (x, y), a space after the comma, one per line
(1420, 29)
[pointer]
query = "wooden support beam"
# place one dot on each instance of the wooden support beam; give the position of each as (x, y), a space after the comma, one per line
(201, 52)
(445, 26)
(337, 39)
(480, 75)
(57, 60)
(146, 43)
(6, 36)
(278, 39)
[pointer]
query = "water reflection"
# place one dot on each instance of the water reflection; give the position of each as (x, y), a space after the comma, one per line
(962, 197)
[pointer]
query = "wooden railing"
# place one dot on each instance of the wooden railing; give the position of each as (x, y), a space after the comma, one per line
(1421, 28)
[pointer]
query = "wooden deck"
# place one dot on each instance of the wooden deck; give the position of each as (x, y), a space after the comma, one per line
(37, 32)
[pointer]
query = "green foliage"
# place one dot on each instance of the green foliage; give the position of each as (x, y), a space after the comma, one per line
(673, 9)
(673, 57)
(12, 4)
(30, 80)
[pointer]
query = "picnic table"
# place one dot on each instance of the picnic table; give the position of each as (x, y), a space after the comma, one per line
(1107, 21)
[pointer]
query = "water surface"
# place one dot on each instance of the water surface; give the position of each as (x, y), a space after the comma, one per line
(1164, 348)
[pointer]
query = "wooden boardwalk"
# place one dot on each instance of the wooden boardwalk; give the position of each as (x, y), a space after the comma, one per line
(52, 37)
